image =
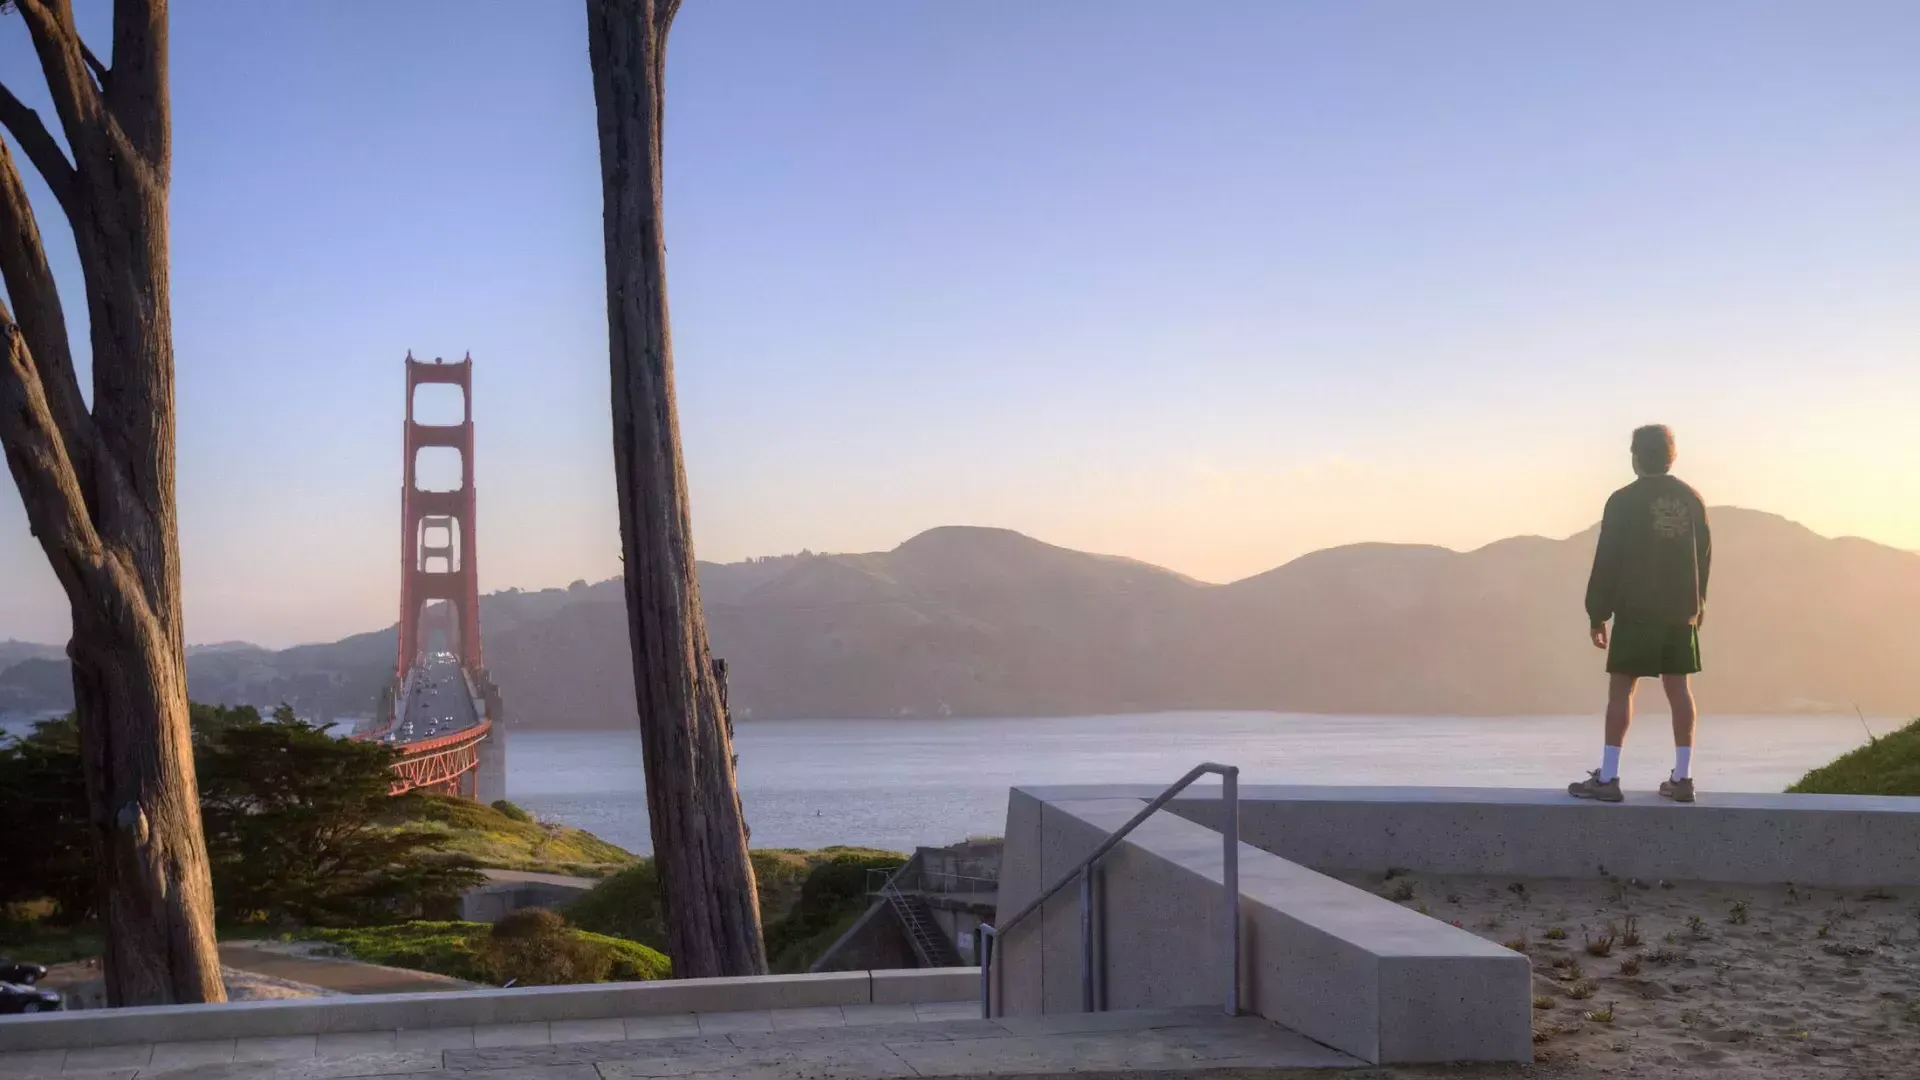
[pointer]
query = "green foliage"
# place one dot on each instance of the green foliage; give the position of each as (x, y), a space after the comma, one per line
(491, 837)
(1889, 765)
(293, 819)
(512, 811)
(807, 900)
(45, 844)
(459, 950)
(444, 948)
(533, 947)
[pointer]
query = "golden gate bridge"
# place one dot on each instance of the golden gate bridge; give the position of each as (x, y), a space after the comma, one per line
(441, 711)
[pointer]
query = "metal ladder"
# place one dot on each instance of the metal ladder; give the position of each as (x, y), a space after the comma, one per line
(929, 943)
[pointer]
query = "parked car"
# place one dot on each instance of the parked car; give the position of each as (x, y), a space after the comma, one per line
(15, 998)
(18, 972)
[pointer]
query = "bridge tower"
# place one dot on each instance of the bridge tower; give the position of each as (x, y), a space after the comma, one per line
(437, 559)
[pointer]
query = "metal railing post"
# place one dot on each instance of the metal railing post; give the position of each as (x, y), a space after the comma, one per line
(1086, 940)
(987, 934)
(1230, 879)
(983, 945)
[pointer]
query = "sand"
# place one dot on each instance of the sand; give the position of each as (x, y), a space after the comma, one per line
(1729, 980)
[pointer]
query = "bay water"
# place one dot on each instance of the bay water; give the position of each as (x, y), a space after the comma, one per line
(898, 784)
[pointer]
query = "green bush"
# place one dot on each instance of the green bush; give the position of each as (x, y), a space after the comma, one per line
(535, 947)
(807, 899)
(461, 950)
(1888, 765)
(512, 811)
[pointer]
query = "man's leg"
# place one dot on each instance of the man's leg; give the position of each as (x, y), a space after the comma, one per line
(1619, 719)
(1680, 699)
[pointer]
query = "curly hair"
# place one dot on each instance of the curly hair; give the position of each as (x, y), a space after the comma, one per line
(1653, 448)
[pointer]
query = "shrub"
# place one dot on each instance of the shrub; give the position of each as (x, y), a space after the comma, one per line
(512, 811)
(534, 947)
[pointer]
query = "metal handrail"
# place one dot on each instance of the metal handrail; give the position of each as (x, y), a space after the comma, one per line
(986, 935)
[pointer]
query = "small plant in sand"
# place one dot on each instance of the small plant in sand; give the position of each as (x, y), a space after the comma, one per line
(1630, 933)
(1519, 889)
(1542, 1002)
(1493, 922)
(1453, 898)
(1670, 938)
(1664, 956)
(1602, 945)
(1826, 930)
(1793, 894)
(1580, 991)
(1851, 950)
(1519, 944)
(1555, 933)
(1424, 910)
(1876, 893)
(1602, 1016)
(1630, 967)
(1396, 871)
(1566, 967)
(1696, 928)
(1401, 892)
(1737, 914)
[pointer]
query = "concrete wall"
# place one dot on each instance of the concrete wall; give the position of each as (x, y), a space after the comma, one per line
(1339, 965)
(490, 777)
(1832, 841)
(388, 1012)
(491, 903)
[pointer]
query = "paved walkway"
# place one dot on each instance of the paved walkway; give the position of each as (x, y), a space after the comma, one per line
(853, 1042)
(340, 975)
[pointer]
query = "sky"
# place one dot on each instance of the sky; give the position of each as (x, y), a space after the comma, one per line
(1211, 285)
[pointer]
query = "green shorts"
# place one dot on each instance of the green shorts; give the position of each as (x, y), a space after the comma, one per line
(1653, 649)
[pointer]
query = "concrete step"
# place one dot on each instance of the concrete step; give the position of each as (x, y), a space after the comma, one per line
(876, 1042)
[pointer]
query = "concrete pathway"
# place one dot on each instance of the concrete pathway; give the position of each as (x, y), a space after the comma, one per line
(341, 975)
(853, 1042)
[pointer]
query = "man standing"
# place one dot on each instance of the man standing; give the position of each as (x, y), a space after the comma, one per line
(1650, 578)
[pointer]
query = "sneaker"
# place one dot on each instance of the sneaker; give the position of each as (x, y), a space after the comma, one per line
(1593, 788)
(1677, 790)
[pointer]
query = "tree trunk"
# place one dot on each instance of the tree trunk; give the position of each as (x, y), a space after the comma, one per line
(707, 895)
(98, 485)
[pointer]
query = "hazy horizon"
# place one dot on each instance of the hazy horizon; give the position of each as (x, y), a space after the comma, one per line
(1318, 273)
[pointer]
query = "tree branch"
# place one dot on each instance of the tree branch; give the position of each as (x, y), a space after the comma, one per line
(138, 95)
(37, 456)
(75, 98)
(42, 321)
(99, 69)
(38, 144)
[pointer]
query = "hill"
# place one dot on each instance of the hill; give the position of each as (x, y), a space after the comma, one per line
(973, 621)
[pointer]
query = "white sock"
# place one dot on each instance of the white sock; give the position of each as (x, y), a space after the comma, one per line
(1682, 762)
(1609, 763)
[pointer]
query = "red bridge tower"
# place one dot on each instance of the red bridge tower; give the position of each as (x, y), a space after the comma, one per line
(436, 528)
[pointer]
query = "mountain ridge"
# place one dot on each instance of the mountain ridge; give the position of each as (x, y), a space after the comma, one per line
(973, 620)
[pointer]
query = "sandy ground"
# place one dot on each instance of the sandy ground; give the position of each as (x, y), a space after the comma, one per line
(1699, 979)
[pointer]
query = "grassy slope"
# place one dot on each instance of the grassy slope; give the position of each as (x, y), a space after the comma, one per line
(447, 948)
(1889, 765)
(807, 899)
(494, 839)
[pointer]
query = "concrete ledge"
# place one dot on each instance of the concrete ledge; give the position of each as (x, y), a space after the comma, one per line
(914, 986)
(1339, 965)
(1830, 841)
(387, 1012)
